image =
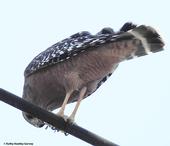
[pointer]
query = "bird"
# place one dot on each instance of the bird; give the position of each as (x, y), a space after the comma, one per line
(74, 68)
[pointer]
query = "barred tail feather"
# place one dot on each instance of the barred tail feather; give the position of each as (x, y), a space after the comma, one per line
(150, 40)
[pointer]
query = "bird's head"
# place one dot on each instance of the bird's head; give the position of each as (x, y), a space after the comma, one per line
(33, 120)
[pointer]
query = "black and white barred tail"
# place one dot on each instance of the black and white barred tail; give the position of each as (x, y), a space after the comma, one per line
(150, 41)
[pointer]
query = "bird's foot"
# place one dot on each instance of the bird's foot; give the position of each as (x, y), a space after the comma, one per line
(52, 127)
(65, 117)
(69, 119)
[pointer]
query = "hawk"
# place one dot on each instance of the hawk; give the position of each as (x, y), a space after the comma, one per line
(76, 67)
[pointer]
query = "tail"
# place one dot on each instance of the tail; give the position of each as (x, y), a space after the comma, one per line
(145, 40)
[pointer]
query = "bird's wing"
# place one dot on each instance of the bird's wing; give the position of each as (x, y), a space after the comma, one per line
(67, 48)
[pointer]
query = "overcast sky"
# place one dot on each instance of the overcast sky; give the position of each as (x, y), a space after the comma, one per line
(131, 109)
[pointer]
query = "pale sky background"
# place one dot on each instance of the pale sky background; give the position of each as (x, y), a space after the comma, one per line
(131, 109)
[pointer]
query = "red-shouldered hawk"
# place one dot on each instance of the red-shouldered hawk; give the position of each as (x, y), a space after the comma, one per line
(75, 67)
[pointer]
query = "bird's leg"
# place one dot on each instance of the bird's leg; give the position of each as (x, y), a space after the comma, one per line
(61, 111)
(81, 95)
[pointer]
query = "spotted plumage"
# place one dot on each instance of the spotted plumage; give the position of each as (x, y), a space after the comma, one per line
(76, 67)
(72, 46)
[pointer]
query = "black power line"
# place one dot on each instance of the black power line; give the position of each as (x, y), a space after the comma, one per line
(54, 120)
